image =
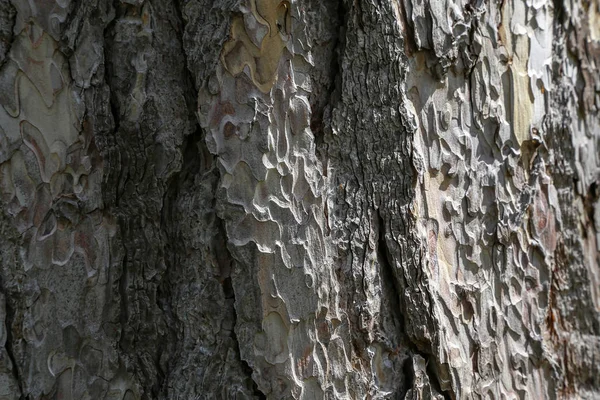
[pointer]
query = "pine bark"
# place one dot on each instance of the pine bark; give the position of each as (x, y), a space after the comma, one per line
(307, 199)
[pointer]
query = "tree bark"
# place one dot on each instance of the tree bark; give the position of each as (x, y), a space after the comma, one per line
(304, 199)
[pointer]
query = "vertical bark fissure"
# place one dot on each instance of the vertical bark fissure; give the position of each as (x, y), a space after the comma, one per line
(7, 12)
(123, 301)
(12, 295)
(195, 146)
(333, 92)
(392, 284)
(114, 108)
(246, 368)
(174, 247)
(108, 154)
(10, 316)
(189, 166)
(393, 292)
(192, 90)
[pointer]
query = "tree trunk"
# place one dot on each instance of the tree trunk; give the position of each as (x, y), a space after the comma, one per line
(299, 199)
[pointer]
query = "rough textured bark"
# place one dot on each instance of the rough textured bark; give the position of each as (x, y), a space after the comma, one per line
(299, 199)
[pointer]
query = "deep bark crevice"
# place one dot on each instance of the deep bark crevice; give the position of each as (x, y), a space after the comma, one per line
(389, 276)
(226, 264)
(13, 296)
(410, 44)
(108, 152)
(434, 380)
(123, 300)
(6, 37)
(110, 192)
(393, 293)
(246, 369)
(193, 164)
(10, 316)
(198, 160)
(319, 121)
(189, 75)
(174, 247)
(590, 200)
(335, 90)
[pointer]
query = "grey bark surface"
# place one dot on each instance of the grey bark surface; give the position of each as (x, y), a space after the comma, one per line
(305, 199)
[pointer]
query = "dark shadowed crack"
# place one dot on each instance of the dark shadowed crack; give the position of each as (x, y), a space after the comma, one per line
(10, 279)
(174, 247)
(196, 160)
(390, 288)
(226, 263)
(391, 283)
(107, 145)
(321, 112)
(8, 18)
(230, 294)
(332, 91)
(10, 317)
